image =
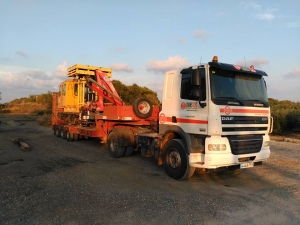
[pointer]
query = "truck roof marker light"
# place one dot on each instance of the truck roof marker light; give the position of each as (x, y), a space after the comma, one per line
(252, 69)
(215, 59)
(237, 67)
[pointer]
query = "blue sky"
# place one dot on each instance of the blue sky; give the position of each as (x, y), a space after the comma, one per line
(141, 40)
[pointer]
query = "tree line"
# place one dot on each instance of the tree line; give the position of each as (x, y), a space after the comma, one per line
(129, 93)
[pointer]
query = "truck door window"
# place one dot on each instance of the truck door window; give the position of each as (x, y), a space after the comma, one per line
(187, 87)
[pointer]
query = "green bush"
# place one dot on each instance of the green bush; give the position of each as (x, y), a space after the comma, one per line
(293, 120)
(279, 120)
(40, 112)
(286, 115)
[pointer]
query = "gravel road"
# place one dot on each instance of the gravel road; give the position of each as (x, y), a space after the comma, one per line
(60, 182)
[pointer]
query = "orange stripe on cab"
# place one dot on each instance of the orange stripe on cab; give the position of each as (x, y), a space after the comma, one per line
(183, 120)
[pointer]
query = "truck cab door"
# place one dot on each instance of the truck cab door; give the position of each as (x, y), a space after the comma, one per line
(194, 109)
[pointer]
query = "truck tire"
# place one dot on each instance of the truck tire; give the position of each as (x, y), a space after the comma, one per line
(70, 136)
(76, 137)
(128, 151)
(142, 107)
(55, 131)
(114, 145)
(59, 131)
(64, 134)
(176, 160)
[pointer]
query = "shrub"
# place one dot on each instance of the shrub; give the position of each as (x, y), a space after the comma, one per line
(293, 120)
(286, 115)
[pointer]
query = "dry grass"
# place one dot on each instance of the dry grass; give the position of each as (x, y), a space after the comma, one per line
(43, 116)
(44, 120)
(27, 107)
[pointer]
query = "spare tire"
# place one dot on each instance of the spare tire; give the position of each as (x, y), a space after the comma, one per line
(142, 107)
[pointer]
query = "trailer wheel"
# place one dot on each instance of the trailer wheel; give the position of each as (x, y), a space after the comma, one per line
(64, 134)
(70, 136)
(58, 134)
(176, 161)
(75, 136)
(114, 146)
(128, 151)
(55, 131)
(142, 107)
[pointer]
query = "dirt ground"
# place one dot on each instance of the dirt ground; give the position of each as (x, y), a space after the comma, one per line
(60, 182)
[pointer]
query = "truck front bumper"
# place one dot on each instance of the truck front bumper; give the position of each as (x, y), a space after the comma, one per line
(223, 158)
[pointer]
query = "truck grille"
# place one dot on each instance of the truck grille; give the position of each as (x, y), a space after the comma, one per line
(245, 144)
(244, 120)
(228, 129)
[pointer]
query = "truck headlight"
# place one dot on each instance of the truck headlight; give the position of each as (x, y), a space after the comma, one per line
(266, 143)
(216, 147)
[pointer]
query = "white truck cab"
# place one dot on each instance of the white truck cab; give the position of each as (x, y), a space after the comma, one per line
(217, 116)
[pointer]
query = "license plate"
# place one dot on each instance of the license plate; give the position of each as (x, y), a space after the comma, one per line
(246, 165)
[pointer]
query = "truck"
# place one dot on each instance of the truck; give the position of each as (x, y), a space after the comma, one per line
(213, 116)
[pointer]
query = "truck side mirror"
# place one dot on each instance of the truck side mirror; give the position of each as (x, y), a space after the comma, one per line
(196, 83)
(196, 77)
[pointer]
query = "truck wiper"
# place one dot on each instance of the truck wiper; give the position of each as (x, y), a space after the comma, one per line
(233, 99)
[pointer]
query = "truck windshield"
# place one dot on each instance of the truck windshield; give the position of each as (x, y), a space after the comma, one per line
(237, 88)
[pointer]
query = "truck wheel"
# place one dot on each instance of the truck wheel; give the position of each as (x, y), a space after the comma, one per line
(64, 134)
(114, 146)
(58, 134)
(75, 137)
(142, 107)
(176, 161)
(55, 131)
(70, 136)
(129, 151)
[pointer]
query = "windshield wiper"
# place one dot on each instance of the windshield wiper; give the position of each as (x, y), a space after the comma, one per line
(233, 99)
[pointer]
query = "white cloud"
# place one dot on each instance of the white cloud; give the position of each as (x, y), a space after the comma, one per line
(294, 24)
(201, 34)
(256, 62)
(35, 74)
(61, 70)
(22, 54)
(18, 82)
(253, 5)
(265, 16)
(121, 67)
(6, 59)
(116, 49)
(295, 73)
(181, 40)
(259, 12)
(173, 62)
